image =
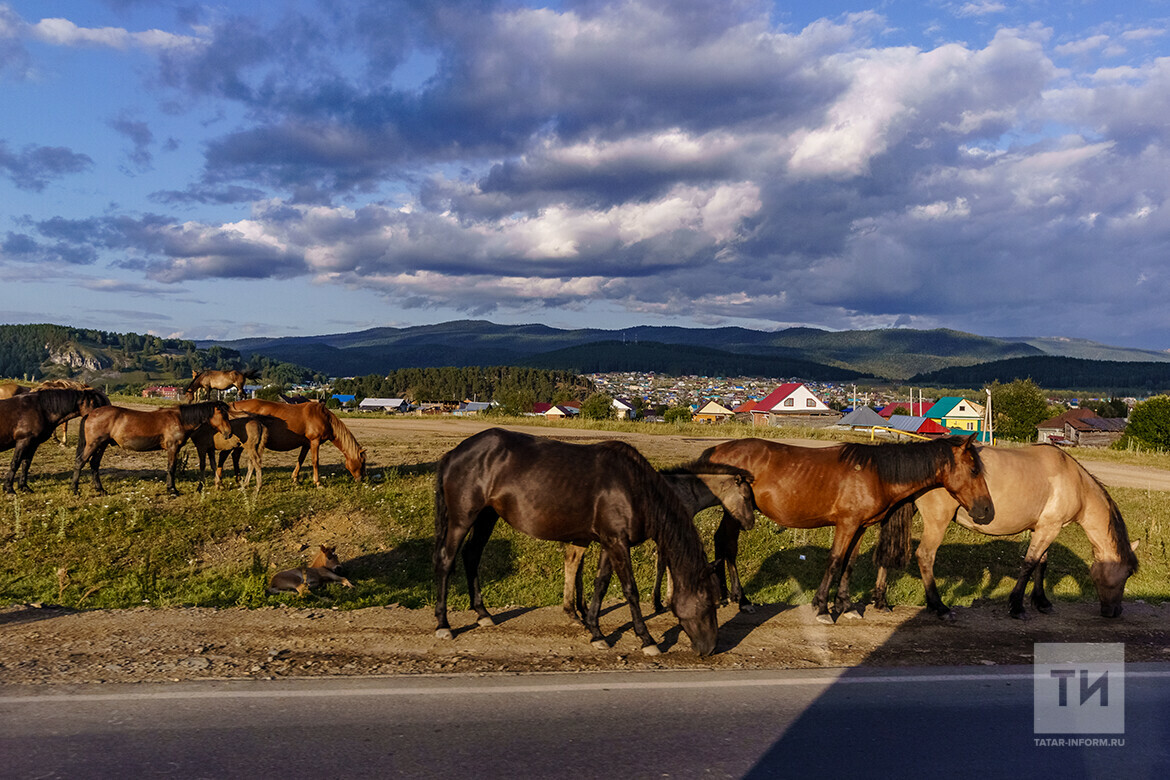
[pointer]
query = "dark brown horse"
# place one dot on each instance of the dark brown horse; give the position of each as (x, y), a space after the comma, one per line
(144, 431)
(699, 485)
(217, 380)
(1039, 489)
(29, 419)
(579, 493)
(249, 435)
(848, 486)
(304, 427)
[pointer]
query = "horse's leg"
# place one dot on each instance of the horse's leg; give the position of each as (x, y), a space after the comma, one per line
(472, 552)
(17, 457)
(843, 538)
(451, 528)
(236, 452)
(573, 597)
(659, 573)
(172, 466)
(624, 566)
(220, 459)
(95, 464)
(1042, 536)
(296, 475)
(727, 550)
(844, 604)
(1039, 597)
(934, 528)
(314, 450)
(879, 590)
(600, 586)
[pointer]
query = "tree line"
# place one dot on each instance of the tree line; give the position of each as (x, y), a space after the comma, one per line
(514, 387)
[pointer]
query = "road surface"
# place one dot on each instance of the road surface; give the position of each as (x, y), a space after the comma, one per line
(942, 722)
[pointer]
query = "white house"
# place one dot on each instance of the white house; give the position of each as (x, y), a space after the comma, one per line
(791, 399)
(384, 405)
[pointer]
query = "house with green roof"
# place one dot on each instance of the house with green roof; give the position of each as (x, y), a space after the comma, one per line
(957, 414)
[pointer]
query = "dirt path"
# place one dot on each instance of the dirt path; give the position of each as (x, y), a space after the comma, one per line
(41, 645)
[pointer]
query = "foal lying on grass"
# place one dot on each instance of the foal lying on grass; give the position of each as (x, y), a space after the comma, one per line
(324, 568)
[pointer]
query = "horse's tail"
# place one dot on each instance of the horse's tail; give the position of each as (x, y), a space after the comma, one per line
(441, 516)
(892, 550)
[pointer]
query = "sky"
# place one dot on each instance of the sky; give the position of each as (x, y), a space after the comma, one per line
(227, 170)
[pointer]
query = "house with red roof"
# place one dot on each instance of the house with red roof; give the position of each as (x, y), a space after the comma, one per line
(789, 400)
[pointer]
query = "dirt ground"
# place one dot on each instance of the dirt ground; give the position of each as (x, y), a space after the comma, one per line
(42, 644)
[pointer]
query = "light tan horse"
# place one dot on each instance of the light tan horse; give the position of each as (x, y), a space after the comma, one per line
(323, 568)
(249, 434)
(217, 380)
(304, 427)
(1039, 489)
(12, 389)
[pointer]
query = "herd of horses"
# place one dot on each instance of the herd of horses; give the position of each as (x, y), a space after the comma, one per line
(608, 493)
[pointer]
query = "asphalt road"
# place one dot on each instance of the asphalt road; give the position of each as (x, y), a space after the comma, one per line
(952, 722)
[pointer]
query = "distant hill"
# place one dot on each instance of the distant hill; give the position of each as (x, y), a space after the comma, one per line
(1112, 377)
(890, 353)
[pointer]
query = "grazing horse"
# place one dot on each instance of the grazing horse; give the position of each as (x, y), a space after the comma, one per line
(166, 429)
(323, 568)
(699, 486)
(578, 493)
(249, 434)
(12, 389)
(1039, 489)
(304, 427)
(848, 486)
(217, 380)
(29, 419)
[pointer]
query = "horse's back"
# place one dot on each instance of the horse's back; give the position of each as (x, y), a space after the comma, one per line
(546, 488)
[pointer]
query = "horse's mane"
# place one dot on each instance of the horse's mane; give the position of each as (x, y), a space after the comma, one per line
(61, 401)
(671, 528)
(902, 463)
(342, 437)
(1117, 529)
(197, 414)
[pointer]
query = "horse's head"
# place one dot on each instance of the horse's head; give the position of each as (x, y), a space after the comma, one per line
(90, 400)
(740, 502)
(1110, 578)
(326, 559)
(356, 464)
(697, 609)
(220, 418)
(964, 480)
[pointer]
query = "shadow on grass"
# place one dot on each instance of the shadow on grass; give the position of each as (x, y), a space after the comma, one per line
(963, 572)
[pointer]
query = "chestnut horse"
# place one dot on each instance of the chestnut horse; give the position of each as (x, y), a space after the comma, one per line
(249, 434)
(217, 380)
(699, 486)
(579, 493)
(29, 419)
(166, 429)
(304, 427)
(1039, 489)
(848, 486)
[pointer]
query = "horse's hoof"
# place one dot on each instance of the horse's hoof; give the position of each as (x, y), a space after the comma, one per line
(485, 621)
(600, 644)
(947, 617)
(1021, 615)
(825, 618)
(651, 650)
(747, 607)
(852, 614)
(444, 633)
(1046, 609)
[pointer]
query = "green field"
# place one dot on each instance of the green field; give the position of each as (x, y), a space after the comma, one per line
(216, 548)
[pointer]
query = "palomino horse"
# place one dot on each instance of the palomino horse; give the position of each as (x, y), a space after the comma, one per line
(849, 486)
(577, 493)
(1039, 489)
(323, 568)
(217, 380)
(12, 389)
(304, 427)
(29, 419)
(144, 431)
(249, 434)
(699, 485)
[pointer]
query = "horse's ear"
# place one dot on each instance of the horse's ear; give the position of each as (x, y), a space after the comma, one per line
(1133, 545)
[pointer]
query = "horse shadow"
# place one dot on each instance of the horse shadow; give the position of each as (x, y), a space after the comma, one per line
(961, 571)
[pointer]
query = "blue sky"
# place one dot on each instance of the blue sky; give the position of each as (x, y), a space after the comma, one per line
(295, 168)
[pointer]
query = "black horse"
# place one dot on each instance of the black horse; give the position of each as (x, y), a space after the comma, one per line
(28, 420)
(579, 493)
